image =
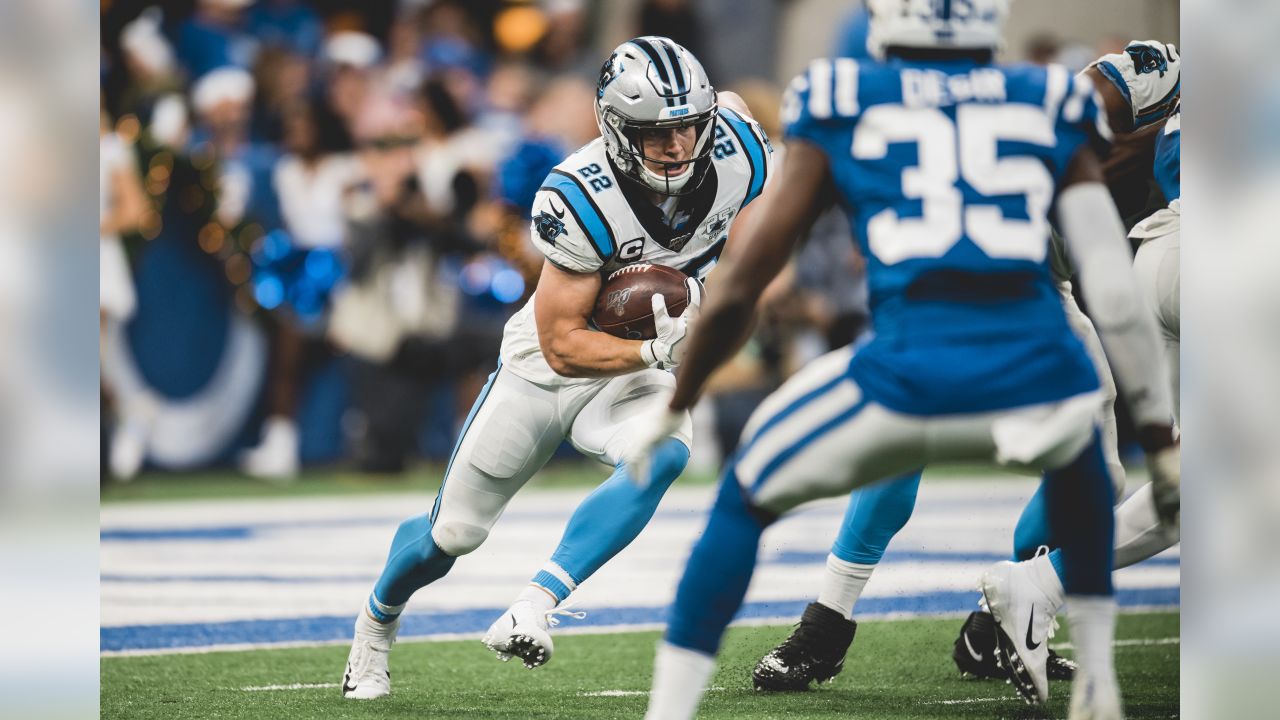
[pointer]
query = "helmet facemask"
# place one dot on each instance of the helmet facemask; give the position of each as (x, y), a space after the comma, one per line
(624, 140)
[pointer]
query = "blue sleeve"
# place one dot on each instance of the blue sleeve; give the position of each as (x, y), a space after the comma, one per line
(755, 144)
(1079, 121)
(851, 41)
(1168, 165)
(822, 97)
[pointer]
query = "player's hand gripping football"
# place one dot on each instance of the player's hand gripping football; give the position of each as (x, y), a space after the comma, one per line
(650, 429)
(1166, 485)
(667, 349)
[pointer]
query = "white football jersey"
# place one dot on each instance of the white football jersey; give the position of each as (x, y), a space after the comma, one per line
(587, 219)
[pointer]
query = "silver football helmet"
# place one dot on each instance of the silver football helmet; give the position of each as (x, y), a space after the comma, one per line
(651, 83)
(951, 25)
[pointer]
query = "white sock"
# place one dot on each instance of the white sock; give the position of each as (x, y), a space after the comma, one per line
(1138, 532)
(367, 624)
(680, 676)
(1093, 628)
(536, 596)
(842, 584)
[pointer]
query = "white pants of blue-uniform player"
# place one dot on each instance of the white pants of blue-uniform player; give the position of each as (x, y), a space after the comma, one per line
(820, 436)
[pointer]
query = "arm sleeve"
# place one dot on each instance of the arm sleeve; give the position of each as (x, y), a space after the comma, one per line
(558, 234)
(1095, 240)
(757, 149)
(1079, 120)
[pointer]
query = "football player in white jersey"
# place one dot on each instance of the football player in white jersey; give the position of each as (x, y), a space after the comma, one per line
(675, 166)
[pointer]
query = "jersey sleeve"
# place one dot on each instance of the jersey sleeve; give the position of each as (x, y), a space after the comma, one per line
(1079, 117)
(1168, 162)
(756, 146)
(562, 234)
(825, 95)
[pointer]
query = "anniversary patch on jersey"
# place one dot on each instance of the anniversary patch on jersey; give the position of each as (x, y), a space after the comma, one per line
(549, 226)
(718, 223)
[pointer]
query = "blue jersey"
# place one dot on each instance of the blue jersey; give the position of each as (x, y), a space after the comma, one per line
(948, 172)
(1168, 165)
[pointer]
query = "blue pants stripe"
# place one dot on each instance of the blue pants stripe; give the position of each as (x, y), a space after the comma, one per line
(788, 411)
(475, 410)
(792, 450)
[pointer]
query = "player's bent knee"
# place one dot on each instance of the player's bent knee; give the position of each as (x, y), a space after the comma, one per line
(669, 461)
(458, 538)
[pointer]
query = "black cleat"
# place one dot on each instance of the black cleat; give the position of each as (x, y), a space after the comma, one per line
(975, 649)
(1061, 668)
(975, 652)
(814, 652)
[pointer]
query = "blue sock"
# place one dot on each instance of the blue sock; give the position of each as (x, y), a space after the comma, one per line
(1078, 503)
(610, 518)
(718, 572)
(414, 562)
(876, 513)
(1032, 530)
(1055, 559)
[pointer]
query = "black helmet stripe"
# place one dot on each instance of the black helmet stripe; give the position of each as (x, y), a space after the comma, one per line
(660, 64)
(677, 70)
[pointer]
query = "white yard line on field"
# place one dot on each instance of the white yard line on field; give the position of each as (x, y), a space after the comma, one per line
(290, 686)
(631, 693)
(1128, 642)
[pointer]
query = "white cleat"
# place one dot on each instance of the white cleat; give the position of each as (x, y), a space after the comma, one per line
(1024, 601)
(276, 457)
(1095, 698)
(523, 632)
(367, 676)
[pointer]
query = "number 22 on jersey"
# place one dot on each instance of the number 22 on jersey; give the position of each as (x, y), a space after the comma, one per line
(949, 151)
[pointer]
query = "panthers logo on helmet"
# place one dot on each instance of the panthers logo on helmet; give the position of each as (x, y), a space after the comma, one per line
(549, 227)
(1147, 59)
(608, 73)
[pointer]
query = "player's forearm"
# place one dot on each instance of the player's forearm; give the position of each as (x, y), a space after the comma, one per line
(721, 330)
(582, 352)
(1095, 237)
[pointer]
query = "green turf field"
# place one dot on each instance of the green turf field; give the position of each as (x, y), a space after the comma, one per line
(228, 484)
(896, 669)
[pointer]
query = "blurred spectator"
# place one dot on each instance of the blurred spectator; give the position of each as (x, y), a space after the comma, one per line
(399, 314)
(348, 70)
(851, 39)
(312, 181)
(150, 64)
(122, 204)
(289, 25)
(564, 47)
(223, 99)
(675, 19)
(216, 35)
(1042, 49)
(559, 121)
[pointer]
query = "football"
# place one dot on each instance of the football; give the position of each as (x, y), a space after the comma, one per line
(623, 308)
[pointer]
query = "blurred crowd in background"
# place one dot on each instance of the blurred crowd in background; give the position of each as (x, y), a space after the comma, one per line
(315, 216)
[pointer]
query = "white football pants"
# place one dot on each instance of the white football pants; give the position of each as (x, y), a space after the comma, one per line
(515, 427)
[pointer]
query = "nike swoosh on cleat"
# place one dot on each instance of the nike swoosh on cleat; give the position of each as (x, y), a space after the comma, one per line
(1031, 621)
(347, 687)
(972, 653)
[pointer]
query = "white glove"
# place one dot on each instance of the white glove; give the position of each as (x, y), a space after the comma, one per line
(1166, 486)
(649, 429)
(668, 349)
